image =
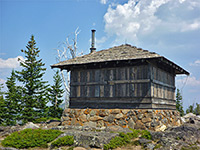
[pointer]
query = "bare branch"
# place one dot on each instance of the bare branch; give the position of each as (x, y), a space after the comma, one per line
(68, 51)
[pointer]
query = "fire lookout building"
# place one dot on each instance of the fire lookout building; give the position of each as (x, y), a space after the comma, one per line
(124, 77)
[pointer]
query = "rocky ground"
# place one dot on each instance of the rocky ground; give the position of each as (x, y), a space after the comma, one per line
(184, 137)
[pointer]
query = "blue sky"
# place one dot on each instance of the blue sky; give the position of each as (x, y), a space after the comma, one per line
(168, 27)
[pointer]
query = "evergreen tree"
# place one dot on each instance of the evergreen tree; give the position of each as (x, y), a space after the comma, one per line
(197, 109)
(2, 107)
(34, 90)
(179, 103)
(55, 96)
(12, 100)
(190, 109)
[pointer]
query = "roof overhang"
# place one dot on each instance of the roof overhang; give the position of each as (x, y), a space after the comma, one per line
(119, 63)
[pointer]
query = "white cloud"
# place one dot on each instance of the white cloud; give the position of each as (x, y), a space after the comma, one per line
(10, 62)
(103, 1)
(196, 63)
(190, 27)
(136, 19)
(100, 41)
(189, 81)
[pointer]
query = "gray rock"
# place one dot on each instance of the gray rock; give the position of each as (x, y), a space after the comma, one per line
(134, 118)
(90, 124)
(8, 148)
(189, 115)
(130, 113)
(143, 141)
(140, 116)
(117, 129)
(178, 137)
(118, 116)
(131, 123)
(90, 139)
(164, 120)
(103, 113)
(30, 125)
(122, 122)
(93, 113)
(149, 146)
(109, 118)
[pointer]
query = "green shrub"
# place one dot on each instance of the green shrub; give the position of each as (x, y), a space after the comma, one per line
(136, 143)
(30, 138)
(134, 133)
(114, 143)
(63, 141)
(146, 134)
(71, 148)
(39, 120)
(124, 139)
(157, 146)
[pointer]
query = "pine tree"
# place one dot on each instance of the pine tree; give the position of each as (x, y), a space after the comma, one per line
(12, 100)
(55, 96)
(34, 98)
(190, 109)
(179, 103)
(197, 109)
(2, 107)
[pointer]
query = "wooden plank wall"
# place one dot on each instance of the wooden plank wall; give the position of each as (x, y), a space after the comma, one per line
(111, 82)
(163, 84)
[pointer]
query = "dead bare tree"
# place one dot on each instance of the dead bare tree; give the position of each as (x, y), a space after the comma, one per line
(67, 51)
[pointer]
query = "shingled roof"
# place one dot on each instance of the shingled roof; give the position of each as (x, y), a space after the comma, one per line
(117, 53)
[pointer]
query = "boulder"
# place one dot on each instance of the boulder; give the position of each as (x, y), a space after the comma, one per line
(145, 120)
(96, 118)
(90, 124)
(140, 116)
(53, 123)
(30, 125)
(139, 125)
(118, 116)
(189, 115)
(8, 148)
(131, 123)
(109, 118)
(90, 139)
(83, 118)
(103, 113)
(115, 111)
(161, 128)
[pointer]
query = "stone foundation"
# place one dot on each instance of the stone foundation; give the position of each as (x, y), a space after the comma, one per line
(127, 118)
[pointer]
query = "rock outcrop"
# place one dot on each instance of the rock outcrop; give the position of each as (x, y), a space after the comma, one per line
(185, 136)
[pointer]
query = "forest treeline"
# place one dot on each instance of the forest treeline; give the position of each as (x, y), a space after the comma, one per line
(29, 97)
(195, 109)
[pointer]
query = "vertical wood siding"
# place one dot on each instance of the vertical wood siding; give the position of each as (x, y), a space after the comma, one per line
(104, 82)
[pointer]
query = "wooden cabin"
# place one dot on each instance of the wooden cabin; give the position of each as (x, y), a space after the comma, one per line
(122, 77)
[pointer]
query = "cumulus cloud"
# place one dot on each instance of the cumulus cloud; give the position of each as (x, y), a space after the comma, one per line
(10, 62)
(103, 1)
(138, 18)
(196, 63)
(190, 81)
